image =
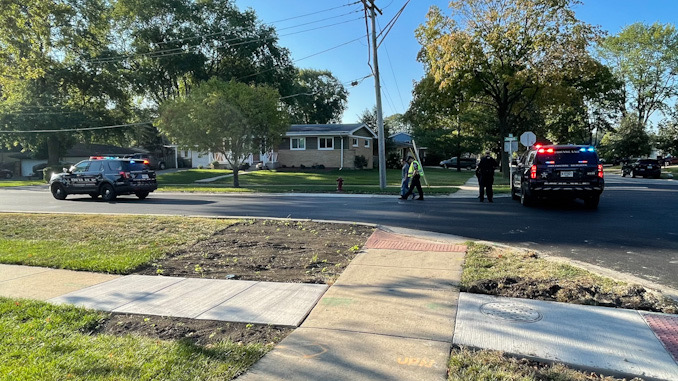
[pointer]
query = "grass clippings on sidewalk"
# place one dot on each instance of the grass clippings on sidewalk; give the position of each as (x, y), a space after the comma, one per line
(46, 342)
(522, 274)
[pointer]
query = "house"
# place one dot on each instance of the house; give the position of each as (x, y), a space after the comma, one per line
(403, 143)
(328, 145)
(78, 152)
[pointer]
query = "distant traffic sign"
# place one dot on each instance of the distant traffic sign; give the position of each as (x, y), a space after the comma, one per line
(528, 138)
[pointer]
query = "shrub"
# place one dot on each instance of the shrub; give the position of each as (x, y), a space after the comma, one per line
(360, 162)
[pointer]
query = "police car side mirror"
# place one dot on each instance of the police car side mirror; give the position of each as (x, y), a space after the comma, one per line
(66, 170)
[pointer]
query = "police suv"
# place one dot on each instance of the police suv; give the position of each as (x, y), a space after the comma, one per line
(107, 177)
(558, 172)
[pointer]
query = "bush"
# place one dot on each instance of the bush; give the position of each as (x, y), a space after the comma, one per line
(47, 171)
(360, 162)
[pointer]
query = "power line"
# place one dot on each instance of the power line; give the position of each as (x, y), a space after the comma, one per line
(392, 22)
(314, 13)
(78, 129)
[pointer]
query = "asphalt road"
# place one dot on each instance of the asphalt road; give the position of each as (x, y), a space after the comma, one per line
(634, 230)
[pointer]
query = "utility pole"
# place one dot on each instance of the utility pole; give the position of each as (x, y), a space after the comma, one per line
(377, 89)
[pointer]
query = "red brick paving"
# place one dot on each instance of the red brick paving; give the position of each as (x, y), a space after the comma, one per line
(384, 240)
(666, 329)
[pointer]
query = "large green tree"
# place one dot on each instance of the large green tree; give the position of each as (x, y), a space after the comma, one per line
(630, 140)
(45, 84)
(645, 59)
(504, 52)
(318, 98)
(231, 118)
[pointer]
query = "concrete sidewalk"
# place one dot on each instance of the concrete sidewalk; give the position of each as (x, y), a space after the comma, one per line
(390, 316)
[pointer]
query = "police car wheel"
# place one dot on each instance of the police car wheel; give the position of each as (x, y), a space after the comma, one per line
(58, 191)
(141, 195)
(107, 192)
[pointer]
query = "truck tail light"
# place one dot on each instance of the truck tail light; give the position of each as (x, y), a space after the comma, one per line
(600, 171)
(533, 172)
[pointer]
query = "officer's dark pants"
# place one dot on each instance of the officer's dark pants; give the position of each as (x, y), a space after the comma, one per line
(415, 183)
(485, 183)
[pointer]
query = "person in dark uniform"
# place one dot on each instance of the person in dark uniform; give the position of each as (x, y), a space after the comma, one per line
(485, 173)
(415, 182)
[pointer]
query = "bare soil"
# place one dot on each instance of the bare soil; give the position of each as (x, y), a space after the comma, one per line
(260, 250)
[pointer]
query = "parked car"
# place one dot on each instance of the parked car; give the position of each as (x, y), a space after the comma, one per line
(558, 172)
(6, 174)
(671, 160)
(107, 177)
(647, 168)
(466, 162)
(150, 160)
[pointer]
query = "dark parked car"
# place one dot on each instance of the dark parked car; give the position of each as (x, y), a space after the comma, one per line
(150, 160)
(6, 174)
(647, 168)
(671, 160)
(466, 162)
(558, 172)
(105, 177)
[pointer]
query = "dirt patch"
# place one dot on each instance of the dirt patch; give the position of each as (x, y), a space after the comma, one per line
(267, 250)
(197, 332)
(631, 297)
(259, 250)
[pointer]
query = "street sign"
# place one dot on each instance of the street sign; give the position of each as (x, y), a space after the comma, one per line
(528, 138)
(510, 147)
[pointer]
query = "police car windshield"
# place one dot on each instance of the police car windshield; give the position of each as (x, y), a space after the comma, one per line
(567, 156)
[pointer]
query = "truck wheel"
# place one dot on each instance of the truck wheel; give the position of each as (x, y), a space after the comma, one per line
(525, 200)
(59, 191)
(107, 192)
(514, 195)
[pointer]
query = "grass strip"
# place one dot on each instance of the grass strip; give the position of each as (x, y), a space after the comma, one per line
(484, 365)
(46, 342)
(110, 244)
(20, 183)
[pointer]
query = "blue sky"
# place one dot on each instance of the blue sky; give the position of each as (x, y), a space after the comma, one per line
(397, 55)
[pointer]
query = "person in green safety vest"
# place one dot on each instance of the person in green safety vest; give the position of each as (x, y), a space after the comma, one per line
(415, 181)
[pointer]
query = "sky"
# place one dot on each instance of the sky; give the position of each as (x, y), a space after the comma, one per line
(331, 35)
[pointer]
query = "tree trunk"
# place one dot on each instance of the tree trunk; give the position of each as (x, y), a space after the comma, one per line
(53, 148)
(236, 182)
(503, 116)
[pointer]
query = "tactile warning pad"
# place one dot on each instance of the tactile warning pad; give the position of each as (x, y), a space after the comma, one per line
(665, 327)
(384, 240)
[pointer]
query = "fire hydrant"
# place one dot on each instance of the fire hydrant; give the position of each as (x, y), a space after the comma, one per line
(340, 184)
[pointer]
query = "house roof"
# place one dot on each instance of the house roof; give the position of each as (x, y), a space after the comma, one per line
(327, 129)
(401, 137)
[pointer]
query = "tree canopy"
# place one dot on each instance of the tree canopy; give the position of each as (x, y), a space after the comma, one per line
(645, 59)
(318, 98)
(231, 118)
(504, 52)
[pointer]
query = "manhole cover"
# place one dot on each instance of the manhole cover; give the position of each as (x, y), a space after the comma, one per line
(511, 311)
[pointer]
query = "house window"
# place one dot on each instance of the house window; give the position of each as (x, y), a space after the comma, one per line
(355, 142)
(367, 143)
(298, 144)
(326, 143)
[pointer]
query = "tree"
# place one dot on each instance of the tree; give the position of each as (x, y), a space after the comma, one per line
(231, 118)
(319, 98)
(504, 52)
(645, 58)
(630, 139)
(667, 135)
(45, 83)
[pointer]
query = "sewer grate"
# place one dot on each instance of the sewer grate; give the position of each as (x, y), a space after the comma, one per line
(666, 330)
(383, 240)
(511, 311)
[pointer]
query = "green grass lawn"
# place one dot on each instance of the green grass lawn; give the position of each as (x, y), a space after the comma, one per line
(441, 181)
(18, 183)
(110, 244)
(41, 341)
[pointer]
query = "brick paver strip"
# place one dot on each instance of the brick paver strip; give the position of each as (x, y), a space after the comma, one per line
(666, 329)
(384, 240)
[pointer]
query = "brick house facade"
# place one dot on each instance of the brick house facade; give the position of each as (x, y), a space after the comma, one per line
(329, 145)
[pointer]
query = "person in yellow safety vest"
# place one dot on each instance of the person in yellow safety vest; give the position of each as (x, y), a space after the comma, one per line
(415, 180)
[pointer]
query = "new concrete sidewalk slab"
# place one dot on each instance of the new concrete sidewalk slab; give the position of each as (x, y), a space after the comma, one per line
(210, 299)
(390, 315)
(608, 340)
(43, 283)
(311, 354)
